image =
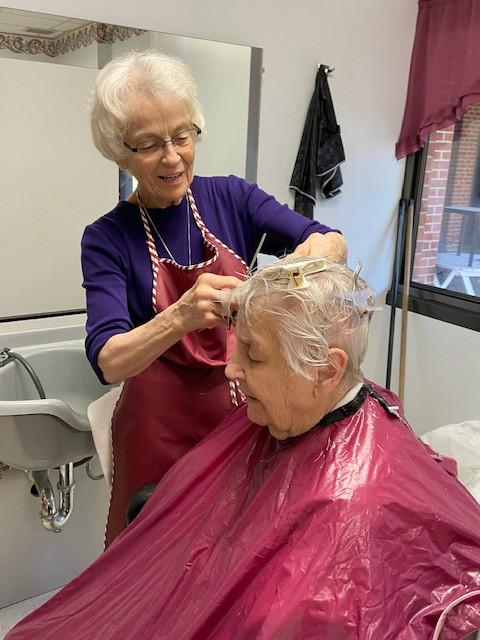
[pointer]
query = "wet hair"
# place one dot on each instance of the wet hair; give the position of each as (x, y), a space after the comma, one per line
(128, 76)
(316, 305)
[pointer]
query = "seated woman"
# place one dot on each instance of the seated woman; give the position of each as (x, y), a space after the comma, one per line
(311, 512)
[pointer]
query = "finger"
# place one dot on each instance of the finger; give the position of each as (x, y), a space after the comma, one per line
(221, 282)
(233, 308)
(209, 296)
(215, 317)
(220, 297)
(213, 303)
(300, 252)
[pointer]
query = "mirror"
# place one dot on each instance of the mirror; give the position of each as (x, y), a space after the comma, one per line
(53, 180)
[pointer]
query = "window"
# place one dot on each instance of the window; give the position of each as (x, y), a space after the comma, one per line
(445, 280)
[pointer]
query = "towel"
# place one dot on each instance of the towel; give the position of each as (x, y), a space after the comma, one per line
(320, 152)
(462, 443)
(99, 414)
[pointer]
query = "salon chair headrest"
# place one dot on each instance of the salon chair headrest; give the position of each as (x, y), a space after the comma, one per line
(137, 501)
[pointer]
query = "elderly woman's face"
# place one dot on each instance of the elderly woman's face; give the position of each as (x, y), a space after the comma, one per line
(277, 397)
(165, 174)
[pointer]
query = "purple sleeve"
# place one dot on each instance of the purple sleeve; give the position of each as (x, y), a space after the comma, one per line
(285, 228)
(105, 281)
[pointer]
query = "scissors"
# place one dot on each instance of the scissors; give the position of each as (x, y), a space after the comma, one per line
(231, 317)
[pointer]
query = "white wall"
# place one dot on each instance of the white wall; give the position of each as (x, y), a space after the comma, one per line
(442, 368)
(82, 57)
(138, 42)
(53, 184)
(34, 560)
(225, 102)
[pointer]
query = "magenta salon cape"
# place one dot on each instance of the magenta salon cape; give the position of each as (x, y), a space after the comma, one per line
(353, 530)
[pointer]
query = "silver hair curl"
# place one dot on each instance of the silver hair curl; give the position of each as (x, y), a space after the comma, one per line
(124, 78)
(322, 305)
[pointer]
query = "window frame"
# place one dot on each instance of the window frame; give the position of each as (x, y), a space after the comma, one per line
(475, 193)
(441, 304)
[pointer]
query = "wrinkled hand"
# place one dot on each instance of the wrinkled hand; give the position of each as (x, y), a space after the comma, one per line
(323, 245)
(201, 307)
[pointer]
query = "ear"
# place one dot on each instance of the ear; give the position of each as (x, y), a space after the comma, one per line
(330, 377)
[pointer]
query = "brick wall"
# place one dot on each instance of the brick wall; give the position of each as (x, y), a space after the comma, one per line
(450, 171)
(464, 158)
(462, 173)
(432, 204)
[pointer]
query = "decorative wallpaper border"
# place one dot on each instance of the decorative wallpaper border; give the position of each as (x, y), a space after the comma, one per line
(83, 37)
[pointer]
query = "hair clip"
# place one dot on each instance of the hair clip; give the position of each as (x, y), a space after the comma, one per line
(298, 271)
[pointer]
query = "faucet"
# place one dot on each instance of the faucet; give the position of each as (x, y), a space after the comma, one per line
(7, 355)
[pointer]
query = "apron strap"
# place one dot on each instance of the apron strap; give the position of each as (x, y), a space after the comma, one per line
(208, 234)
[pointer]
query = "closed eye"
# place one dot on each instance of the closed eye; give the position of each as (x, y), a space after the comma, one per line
(148, 144)
(182, 138)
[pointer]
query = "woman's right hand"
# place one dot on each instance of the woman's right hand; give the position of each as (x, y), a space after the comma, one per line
(201, 307)
(126, 354)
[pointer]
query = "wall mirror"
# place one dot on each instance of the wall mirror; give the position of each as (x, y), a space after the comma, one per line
(53, 180)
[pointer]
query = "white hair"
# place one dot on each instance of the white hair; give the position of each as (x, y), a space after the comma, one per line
(322, 305)
(124, 78)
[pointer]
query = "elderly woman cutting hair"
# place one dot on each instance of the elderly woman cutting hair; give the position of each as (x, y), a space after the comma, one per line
(156, 265)
(312, 512)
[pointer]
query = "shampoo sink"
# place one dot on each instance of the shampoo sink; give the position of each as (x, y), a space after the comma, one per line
(37, 434)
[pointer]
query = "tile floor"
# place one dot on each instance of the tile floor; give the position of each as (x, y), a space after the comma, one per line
(9, 616)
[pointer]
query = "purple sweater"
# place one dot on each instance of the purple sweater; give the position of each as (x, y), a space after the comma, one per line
(116, 265)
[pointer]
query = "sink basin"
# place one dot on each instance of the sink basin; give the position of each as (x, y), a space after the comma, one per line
(40, 434)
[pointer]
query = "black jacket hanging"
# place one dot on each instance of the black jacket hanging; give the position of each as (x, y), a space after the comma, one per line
(320, 152)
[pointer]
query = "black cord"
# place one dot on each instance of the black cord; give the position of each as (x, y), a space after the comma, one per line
(10, 356)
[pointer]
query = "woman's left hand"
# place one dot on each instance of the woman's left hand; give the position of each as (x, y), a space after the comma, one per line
(324, 245)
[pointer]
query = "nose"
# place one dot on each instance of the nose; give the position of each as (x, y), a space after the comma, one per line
(170, 153)
(233, 370)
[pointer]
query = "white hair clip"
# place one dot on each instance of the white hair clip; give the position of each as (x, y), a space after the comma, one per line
(298, 271)
(361, 300)
(364, 300)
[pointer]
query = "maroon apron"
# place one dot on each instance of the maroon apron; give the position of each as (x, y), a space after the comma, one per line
(177, 400)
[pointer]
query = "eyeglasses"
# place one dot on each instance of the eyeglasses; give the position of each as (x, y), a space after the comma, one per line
(181, 140)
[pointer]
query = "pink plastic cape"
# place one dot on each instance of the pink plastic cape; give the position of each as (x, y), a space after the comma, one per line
(353, 530)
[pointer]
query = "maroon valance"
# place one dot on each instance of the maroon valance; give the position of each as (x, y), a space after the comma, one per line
(444, 71)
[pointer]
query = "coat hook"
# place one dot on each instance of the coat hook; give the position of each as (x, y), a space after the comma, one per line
(327, 68)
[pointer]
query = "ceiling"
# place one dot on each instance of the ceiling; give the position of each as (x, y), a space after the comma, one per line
(42, 25)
